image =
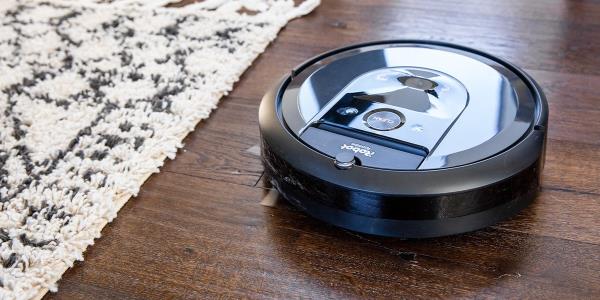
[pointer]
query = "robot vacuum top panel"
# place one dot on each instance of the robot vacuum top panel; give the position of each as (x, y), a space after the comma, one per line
(408, 106)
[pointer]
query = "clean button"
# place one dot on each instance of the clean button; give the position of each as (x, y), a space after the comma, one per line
(384, 119)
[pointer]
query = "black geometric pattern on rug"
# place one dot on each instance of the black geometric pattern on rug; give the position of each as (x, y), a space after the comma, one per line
(93, 96)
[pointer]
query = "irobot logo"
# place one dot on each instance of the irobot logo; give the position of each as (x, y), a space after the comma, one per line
(357, 148)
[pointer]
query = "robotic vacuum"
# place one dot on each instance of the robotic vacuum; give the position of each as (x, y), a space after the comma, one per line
(409, 139)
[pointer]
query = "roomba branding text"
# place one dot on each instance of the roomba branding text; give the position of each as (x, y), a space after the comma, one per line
(357, 148)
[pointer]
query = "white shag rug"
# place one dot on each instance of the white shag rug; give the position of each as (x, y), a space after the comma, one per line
(94, 95)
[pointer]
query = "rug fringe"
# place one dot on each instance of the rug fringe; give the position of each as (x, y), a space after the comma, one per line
(304, 8)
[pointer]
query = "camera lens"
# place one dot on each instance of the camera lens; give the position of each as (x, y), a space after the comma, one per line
(418, 83)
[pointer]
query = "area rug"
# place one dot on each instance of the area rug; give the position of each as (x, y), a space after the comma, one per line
(94, 95)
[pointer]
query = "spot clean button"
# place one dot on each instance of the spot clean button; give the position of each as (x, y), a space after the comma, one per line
(384, 119)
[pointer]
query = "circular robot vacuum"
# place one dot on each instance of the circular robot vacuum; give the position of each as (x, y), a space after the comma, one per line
(408, 139)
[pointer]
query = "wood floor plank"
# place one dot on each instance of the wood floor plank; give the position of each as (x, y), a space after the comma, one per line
(221, 147)
(560, 214)
(572, 166)
(553, 45)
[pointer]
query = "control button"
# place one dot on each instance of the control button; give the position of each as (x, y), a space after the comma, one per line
(384, 119)
(347, 111)
(344, 160)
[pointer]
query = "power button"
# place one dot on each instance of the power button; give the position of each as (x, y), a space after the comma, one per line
(384, 119)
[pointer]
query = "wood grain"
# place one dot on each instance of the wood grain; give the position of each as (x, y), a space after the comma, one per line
(197, 229)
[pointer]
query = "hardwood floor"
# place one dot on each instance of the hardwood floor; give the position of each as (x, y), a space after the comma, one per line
(197, 230)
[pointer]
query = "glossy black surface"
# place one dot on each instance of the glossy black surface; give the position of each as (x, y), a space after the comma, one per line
(431, 85)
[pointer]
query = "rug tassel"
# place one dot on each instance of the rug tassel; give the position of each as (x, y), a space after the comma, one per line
(304, 8)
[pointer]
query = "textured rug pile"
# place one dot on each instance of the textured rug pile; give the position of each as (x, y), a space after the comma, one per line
(94, 95)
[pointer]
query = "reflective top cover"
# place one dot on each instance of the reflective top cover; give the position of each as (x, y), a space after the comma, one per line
(408, 106)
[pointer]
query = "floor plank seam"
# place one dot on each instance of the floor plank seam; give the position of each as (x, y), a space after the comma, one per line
(567, 190)
(208, 178)
(500, 228)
